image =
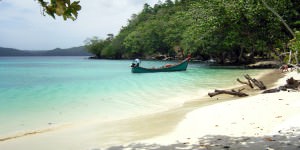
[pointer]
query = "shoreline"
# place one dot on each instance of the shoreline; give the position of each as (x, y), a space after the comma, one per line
(263, 121)
(120, 131)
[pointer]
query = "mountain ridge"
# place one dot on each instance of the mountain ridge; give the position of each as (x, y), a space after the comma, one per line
(74, 51)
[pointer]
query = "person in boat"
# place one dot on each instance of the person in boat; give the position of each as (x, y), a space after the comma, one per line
(136, 63)
(168, 65)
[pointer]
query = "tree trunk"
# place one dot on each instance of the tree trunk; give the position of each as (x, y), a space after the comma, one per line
(252, 60)
(290, 57)
(296, 57)
(223, 57)
(241, 54)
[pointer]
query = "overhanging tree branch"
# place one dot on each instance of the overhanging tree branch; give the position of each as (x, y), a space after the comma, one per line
(280, 18)
(64, 8)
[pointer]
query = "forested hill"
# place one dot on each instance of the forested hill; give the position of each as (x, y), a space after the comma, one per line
(75, 51)
(235, 31)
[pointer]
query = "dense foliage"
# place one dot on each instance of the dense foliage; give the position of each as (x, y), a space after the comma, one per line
(235, 31)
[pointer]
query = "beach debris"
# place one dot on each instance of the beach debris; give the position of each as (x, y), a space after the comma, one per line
(275, 90)
(247, 83)
(226, 147)
(232, 92)
(291, 83)
(252, 81)
(259, 84)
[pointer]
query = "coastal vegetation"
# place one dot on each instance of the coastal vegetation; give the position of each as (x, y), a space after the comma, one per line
(234, 32)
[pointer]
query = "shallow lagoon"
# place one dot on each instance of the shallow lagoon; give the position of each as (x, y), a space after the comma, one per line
(40, 91)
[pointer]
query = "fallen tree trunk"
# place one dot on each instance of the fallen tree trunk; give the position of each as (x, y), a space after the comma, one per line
(271, 91)
(291, 83)
(232, 92)
(259, 84)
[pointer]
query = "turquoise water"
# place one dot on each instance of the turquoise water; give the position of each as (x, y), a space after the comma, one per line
(41, 91)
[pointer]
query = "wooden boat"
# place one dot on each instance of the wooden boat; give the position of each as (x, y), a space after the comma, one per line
(167, 68)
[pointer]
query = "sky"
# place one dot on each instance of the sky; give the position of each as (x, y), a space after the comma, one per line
(23, 26)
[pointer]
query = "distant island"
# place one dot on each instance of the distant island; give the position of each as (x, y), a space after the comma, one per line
(74, 51)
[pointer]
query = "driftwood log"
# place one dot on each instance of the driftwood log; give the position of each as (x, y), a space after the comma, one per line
(232, 92)
(247, 83)
(275, 90)
(259, 84)
(250, 82)
(291, 83)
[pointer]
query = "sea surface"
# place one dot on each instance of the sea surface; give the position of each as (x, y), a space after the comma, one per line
(36, 92)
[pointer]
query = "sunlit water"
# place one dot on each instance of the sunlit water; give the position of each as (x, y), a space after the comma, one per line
(38, 91)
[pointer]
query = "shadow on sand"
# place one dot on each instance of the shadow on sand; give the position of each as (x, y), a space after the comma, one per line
(287, 140)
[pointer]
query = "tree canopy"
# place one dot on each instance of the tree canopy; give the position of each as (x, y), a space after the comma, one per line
(236, 31)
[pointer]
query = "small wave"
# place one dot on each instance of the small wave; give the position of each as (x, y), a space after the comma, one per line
(30, 133)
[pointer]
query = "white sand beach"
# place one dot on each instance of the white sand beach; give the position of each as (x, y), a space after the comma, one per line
(263, 121)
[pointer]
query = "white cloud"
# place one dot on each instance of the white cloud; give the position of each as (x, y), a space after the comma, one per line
(23, 26)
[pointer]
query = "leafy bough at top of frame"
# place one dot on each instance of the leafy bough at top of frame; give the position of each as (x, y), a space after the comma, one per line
(64, 8)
